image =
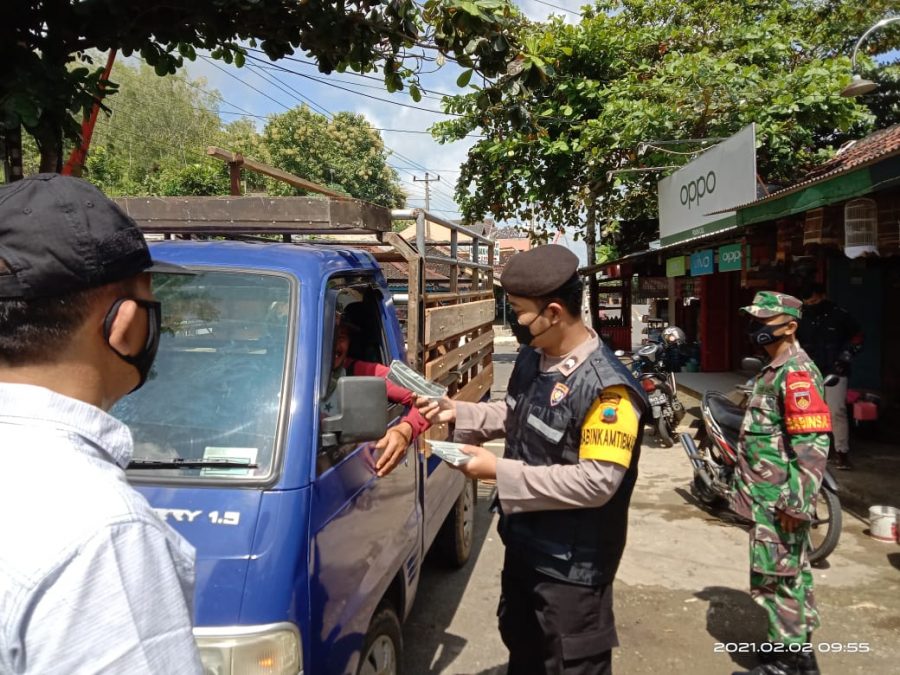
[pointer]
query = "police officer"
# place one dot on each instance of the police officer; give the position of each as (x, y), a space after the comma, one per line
(784, 449)
(572, 422)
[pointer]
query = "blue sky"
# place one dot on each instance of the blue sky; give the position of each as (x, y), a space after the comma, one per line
(414, 152)
(251, 91)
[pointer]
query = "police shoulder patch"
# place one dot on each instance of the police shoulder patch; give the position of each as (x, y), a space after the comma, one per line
(560, 391)
(610, 429)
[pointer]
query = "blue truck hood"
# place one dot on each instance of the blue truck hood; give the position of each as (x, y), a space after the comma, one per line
(221, 525)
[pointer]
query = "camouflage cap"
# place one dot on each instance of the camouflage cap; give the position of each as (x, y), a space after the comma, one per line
(767, 304)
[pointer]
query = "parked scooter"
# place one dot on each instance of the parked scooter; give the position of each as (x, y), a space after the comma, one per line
(654, 366)
(713, 454)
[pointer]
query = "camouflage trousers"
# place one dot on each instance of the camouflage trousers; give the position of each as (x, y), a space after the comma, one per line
(781, 580)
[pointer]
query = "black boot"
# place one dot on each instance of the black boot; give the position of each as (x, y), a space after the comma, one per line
(806, 662)
(781, 664)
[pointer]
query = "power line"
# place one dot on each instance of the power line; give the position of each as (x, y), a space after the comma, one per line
(287, 89)
(564, 9)
(358, 93)
(348, 72)
(392, 151)
(244, 82)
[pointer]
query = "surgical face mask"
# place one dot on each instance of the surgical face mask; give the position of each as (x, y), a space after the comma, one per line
(522, 332)
(762, 334)
(143, 360)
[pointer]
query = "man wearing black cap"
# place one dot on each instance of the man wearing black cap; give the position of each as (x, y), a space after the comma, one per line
(90, 578)
(572, 422)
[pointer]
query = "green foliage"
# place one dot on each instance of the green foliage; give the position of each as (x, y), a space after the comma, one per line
(50, 79)
(640, 70)
(606, 252)
(242, 137)
(344, 153)
(156, 127)
(199, 179)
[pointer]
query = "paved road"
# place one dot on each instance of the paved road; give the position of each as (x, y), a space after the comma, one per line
(680, 590)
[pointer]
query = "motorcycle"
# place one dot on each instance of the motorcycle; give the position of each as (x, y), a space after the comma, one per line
(654, 366)
(713, 454)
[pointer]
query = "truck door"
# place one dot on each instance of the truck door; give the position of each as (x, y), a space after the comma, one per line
(366, 530)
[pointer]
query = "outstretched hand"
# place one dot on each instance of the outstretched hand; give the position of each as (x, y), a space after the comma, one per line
(393, 446)
(483, 464)
(437, 411)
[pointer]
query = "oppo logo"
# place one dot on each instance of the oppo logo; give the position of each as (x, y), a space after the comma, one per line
(730, 257)
(691, 193)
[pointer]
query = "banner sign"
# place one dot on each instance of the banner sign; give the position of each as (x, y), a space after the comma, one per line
(702, 263)
(730, 258)
(677, 266)
(720, 178)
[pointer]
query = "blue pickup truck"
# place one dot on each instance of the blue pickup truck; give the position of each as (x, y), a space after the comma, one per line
(247, 444)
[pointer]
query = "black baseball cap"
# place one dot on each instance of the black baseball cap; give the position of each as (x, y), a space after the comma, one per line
(60, 234)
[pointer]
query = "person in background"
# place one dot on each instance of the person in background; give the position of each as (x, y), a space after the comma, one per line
(832, 338)
(394, 444)
(781, 460)
(572, 419)
(91, 580)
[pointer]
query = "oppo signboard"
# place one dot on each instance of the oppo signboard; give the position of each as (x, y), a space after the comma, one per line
(720, 178)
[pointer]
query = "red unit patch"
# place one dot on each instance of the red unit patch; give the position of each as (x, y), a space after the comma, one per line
(805, 412)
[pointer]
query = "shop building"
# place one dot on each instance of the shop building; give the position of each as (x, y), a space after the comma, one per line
(839, 225)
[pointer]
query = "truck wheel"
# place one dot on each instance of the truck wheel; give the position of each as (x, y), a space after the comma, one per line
(383, 646)
(454, 541)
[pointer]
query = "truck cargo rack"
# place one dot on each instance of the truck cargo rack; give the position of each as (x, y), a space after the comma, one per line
(449, 312)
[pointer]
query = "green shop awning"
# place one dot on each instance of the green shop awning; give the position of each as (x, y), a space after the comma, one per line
(863, 181)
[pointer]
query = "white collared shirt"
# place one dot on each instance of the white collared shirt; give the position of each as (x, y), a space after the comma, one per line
(91, 580)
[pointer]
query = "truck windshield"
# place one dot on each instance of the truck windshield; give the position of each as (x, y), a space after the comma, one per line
(214, 394)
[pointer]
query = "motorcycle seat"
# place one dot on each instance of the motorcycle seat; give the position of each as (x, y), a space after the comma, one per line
(729, 415)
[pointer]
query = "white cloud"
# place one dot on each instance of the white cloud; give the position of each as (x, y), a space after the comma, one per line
(414, 153)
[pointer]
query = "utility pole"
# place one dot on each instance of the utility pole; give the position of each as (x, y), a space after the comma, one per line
(427, 182)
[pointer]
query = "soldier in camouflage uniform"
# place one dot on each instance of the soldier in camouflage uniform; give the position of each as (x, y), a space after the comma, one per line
(784, 450)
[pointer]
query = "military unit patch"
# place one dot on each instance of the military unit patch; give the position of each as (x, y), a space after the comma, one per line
(560, 391)
(805, 410)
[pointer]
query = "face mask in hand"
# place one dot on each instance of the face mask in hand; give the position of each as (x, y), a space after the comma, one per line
(762, 334)
(143, 360)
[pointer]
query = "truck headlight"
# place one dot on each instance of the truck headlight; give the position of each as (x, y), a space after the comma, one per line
(272, 649)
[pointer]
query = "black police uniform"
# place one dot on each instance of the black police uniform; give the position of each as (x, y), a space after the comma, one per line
(562, 559)
(555, 610)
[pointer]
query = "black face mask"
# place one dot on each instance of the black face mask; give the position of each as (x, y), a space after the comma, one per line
(522, 332)
(762, 334)
(143, 360)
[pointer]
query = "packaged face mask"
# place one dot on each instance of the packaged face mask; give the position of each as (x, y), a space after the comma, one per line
(404, 376)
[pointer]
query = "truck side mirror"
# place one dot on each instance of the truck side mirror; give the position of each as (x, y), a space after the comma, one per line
(751, 364)
(362, 412)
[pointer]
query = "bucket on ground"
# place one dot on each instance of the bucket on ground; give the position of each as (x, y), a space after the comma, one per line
(883, 523)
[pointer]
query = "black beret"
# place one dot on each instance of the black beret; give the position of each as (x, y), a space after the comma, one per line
(539, 272)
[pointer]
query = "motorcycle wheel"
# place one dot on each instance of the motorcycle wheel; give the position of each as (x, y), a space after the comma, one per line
(826, 528)
(704, 494)
(662, 430)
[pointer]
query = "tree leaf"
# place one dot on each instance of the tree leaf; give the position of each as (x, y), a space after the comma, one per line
(464, 78)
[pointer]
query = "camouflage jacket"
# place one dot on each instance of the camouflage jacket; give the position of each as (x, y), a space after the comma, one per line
(784, 439)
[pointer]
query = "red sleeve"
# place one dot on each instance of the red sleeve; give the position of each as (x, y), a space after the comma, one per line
(395, 393)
